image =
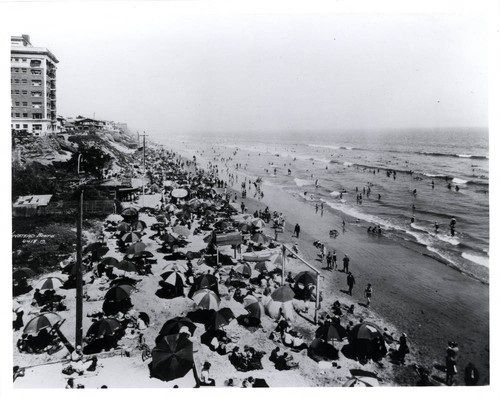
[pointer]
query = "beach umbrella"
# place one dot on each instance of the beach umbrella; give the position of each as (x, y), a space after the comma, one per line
(114, 218)
(138, 225)
(179, 193)
(93, 247)
(178, 267)
(171, 208)
(126, 266)
(206, 299)
(136, 248)
(22, 273)
(221, 318)
(278, 261)
(119, 292)
(143, 254)
(254, 307)
(173, 279)
(244, 228)
(168, 238)
(206, 281)
(262, 267)
(366, 331)
(222, 224)
(49, 283)
(258, 223)
(123, 227)
(244, 269)
(42, 321)
(109, 261)
(273, 309)
(195, 203)
(174, 325)
(129, 214)
(154, 188)
(182, 230)
(361, 381)
(305, 278)
(259, 238)
(131, 237)
(331, 332)
(172, 358)
(105, 326)
(283, 294)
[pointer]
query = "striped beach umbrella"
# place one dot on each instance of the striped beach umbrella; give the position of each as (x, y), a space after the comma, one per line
(244, 269)
(131, 237)
(221, 318)
(254, 307)
(49, 283)
(206, 299)
(171, 208)
(178, 267)
(258, 223)
(123, 227)
(119, 292)
(305, 278)
(259, 238)
(136, 248)
(367, 331)
(138, 225)
(331, 332)
(42, 321)
(173, 279)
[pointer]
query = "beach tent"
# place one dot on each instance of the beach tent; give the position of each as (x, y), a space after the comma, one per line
(172, 358)
(42, 321)
(174, 325)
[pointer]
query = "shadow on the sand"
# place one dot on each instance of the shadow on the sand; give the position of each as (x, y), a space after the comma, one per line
(345, 291)
(438, 379)
(363, 304)
(440, 367)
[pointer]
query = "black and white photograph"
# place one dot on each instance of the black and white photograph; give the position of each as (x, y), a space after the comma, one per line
(212, 194)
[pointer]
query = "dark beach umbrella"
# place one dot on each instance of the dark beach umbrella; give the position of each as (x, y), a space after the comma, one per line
(305, 278)
(172, 358)
(119, 292)
(109, 261)
(168, 238)
(331, 332)
(105, 326)
(262, 267)
(123, 227)
(221, 318)
(244, 228)
(259, 238)
(70, 269)
(22, 273)
(129, 214)
(258, 223)
(144, 254)
(254, 307)
(49, 283)
(206, 281)
(131, 237)
(361, 381)
(138, 225)
(366, 331)
(94, 247)
(42, 321)
(174, 325)
(206, 299)
(126, 266)
(223, 224)
(136, 248)
(283, 294)
(173, 279)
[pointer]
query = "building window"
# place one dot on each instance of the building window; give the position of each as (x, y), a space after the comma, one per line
(25, 60)
(36, 93)
(17, 103)
(24, 81)
(37, 105)
(25, 103)
(36, 72)
(37, 127)
(18, 114)
(36, 83)
(37, 116)
(25, 92)
(16, 70)
(25, 115)
(24, 70)
(25, 126)
(16, 81)
(17, 125)
(16, 91)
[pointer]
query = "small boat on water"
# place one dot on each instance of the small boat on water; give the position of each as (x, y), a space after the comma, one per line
(258, 256)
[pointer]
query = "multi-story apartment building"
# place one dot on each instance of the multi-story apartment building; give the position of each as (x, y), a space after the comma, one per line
(33, 87)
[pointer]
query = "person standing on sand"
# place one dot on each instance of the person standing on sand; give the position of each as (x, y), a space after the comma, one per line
(346, 264)
(350, 282)
(329, 261)
(334, 259)
(368, 294)
(297, 230)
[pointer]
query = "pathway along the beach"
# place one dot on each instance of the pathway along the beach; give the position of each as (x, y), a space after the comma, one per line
(428, 300)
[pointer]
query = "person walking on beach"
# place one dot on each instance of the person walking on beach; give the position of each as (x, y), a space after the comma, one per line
(368, 294)
(346, 264)
(334, 259)
(297, 230)
(350, 282)
(329, 261)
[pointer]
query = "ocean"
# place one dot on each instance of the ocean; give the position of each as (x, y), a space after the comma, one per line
(325, 164)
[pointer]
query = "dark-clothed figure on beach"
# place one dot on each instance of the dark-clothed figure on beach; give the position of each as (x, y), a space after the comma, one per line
(297, 230)
(346, 264)
(471, 375)
(350, 282)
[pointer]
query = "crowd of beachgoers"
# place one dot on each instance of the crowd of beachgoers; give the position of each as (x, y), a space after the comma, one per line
(186, 287)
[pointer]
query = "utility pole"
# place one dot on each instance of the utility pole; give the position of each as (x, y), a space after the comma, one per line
(143, 166)
(79, 286)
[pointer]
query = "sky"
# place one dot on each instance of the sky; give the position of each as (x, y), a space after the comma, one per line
(162, 70)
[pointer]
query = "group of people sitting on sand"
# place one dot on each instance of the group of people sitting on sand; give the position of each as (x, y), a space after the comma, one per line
(247, 360)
